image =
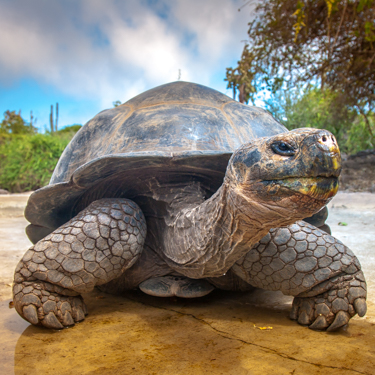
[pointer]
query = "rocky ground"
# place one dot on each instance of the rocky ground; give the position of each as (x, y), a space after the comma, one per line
(358, 172)
(223, 333)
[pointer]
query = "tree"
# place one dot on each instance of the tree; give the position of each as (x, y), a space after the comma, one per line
(328, 43)
(322, 110)
(13, 123)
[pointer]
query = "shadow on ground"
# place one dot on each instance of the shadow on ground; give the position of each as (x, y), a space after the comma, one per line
(218, 334)
(222, 333)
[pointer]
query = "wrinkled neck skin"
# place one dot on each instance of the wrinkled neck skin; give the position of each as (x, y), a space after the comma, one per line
(207, 239)
(270, 182)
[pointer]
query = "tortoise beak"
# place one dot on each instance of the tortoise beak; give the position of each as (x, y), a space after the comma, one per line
(321, 188)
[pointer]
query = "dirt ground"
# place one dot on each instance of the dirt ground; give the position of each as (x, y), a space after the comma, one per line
(222, 333)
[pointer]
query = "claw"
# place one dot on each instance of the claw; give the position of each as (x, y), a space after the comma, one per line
(68, 320)
(341, 319)
(294, 313)
(304, 319)
(30, 313)
(50, 321)
(78, 314)
(360, 306)
(84, 309)
(320, 323)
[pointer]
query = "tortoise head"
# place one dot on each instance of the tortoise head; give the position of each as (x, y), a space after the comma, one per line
(295, 172)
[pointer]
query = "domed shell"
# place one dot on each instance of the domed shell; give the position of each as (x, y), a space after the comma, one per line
(182, 128)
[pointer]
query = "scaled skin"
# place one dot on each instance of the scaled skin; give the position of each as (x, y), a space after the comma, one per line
(270, 183)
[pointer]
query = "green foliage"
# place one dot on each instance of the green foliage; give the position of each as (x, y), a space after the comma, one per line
(13, 123)
(323, 110)
(116, 103)
(330, 42)
(358, 137)
(70, 129)
(323, 43)
(27, 161)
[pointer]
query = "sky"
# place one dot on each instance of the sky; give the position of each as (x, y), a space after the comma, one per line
(86, 54)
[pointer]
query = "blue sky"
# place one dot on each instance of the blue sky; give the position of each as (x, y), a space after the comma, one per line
(85, 54)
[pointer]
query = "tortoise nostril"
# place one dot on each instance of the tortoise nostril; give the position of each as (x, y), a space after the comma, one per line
(326, 141)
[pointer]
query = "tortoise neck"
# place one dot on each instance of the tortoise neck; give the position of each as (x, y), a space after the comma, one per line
(207, 239)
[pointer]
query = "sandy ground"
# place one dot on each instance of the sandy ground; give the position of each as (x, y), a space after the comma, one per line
(223, 333)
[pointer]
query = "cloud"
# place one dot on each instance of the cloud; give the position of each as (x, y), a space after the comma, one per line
(112, 49)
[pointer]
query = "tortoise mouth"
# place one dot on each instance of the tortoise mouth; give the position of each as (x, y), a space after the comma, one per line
(321, 188)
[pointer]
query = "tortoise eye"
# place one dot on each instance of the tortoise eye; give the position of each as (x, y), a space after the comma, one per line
(283, 148)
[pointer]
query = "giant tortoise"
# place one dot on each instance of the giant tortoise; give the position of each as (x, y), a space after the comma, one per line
(182, 190)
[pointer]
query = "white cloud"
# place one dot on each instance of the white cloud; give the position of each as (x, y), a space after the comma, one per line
(112, 50)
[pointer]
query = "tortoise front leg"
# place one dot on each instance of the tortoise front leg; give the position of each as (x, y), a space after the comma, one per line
(303, 261)
(94, 247)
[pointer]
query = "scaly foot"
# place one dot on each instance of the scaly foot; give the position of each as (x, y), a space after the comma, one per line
(40, 306)
(334, 308)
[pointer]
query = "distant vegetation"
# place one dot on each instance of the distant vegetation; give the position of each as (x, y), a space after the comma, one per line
(316, 59)
(319, 109)
(28, 158)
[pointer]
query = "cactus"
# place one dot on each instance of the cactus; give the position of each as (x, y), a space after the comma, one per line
(51, 119)
(57, 115)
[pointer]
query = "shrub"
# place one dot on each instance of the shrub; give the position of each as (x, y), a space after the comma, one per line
(27, 161)
(321, 109)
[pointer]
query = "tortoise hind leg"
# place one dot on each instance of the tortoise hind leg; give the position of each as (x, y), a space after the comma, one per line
(176, 286)
(94, 247)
